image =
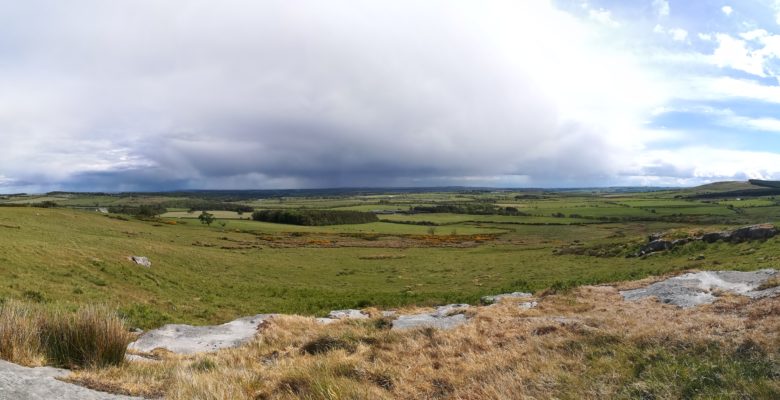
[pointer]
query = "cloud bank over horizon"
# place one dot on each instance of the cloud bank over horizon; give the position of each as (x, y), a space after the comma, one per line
(144, 95)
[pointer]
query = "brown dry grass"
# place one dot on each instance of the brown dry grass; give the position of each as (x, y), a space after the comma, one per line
(19, 335)
(34, 335)
(586, 344)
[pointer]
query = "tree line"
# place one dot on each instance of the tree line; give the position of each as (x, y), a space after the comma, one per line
(143, 211)
(474, 209)
(314, 217)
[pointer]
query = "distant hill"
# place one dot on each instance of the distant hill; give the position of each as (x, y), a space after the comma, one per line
(769, 184)
(752, 188)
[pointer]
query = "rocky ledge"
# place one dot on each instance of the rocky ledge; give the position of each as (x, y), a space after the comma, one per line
(697, 288)
(22, 383)
(657, 242)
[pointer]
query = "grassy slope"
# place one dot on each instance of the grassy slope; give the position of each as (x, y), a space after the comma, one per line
(81, 257)
(586, 344)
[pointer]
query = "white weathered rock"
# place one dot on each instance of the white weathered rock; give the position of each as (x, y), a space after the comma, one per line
(22, 383)
(137, 358)
(347, 314)
(698, 288)
(188, 339)
(529, 305)
(444, 317)
(497, 298)
(142, 261)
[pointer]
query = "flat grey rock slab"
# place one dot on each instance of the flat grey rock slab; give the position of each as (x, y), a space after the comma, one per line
(497, 298)
(22, 383)
(444, 317)
(188, 339)
(347, 314)
(698, 288)
(528, 305)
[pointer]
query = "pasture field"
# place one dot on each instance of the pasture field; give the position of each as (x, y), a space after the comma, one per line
(237, 267)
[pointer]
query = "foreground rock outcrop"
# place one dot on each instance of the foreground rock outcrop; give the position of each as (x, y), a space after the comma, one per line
(499, 297)
(698, 288)
(21, 383)
(188, 339)
(444, 317)
(685, 291)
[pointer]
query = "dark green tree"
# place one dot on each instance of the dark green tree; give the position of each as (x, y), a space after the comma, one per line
(206, 218)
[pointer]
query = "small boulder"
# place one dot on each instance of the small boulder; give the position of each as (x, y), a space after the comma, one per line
(142, 261)
(528, 305)
(347, 314)
(444, 317)
(497, 298)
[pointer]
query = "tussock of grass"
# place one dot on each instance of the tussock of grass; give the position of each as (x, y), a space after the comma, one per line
(34, 335)
(20, 340)
(91, 337)
(585, 344)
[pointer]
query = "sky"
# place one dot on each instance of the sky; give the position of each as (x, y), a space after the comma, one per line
(134, 95)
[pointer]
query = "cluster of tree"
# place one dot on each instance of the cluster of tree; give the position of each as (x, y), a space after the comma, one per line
(143, 211)
(468, 208)
(314, 217)
(206, 205)
(744, 193)
(43, 204)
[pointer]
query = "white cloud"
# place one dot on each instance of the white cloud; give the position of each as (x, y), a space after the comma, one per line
(726, 88)
(729, 118)
(692, 165)
(604, 17)
(754, 34)
(755, 53)
(347, 93)
(661, 7)
(705, 37)
(727, 10)
(678, 34)
(734, 53)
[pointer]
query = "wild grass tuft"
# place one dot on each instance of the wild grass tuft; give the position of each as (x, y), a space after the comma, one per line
(32, 334)
(20, 340)
(94, 336)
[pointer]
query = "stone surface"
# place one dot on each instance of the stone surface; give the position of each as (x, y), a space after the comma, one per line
(137, 358)
(347, 314)
(656, 242)
(497, 298)
(529, 305)
(21, 383)
(444, 317)
(700, 287)
(142, 261)
(188, 339)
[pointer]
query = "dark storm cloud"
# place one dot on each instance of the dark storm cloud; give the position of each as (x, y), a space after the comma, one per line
(129, 95)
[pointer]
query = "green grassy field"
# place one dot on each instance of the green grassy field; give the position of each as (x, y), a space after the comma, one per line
(208, 274)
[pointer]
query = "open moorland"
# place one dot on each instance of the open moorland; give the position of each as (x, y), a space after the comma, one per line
(219, 255)
(458, 246)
